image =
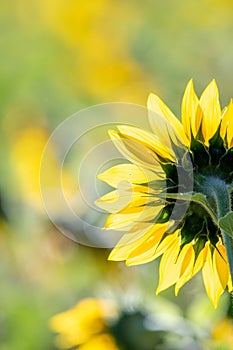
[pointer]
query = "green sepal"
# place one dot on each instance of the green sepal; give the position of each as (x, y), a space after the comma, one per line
(155, 184)
(216, 147)
(174, 227)
(199, 136)
(193, 226)
(164, 215)
(226, 224)
(187, 163)
(226, 165)
(155, 203)
(191, 197)
(199, 246)
(201, 157)
(171, 230)
(213, 232)
(171, 172)
(160, 184)
(179, 149)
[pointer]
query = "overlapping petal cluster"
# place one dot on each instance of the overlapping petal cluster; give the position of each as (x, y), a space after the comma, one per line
(175, 158)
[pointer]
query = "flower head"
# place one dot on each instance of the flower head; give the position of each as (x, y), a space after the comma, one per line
(167, 197)
(84, 326)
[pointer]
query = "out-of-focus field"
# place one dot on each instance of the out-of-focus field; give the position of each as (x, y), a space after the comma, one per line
(56, 58)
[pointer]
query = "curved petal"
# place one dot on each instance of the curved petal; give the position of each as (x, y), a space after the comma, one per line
(152, 248)
(210, 106)
(186, 269)
(221, 264)
(127, 172)
(129, 241)
(189, 111)
(124, 222)
(190, 267)
(164, 123)
(226, 130)
(211, 279)
(170, 265)
(126, 199)
(136, 153)
(147, 139)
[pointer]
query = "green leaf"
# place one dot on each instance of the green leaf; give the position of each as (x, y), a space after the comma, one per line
(226, 223)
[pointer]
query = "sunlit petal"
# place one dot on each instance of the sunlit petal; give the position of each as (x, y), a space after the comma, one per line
(210, 105)
(147, 139)
(152, 247)
(221, 265)
(227, 124)
(127, 172)
(190, 267)
(130, 241)
(140, 155)
(164, 123)
(126, 221)
(170, 264)
(189, 110)
(211, 279)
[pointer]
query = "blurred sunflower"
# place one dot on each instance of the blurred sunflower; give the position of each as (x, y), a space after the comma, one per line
(84, 326)
(222, 333)
(169, 198)
(100, 324)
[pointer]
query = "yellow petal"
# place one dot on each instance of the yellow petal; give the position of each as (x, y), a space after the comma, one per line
(147, 139)
(100, 342)
(164, 123)
(127, 172)
(221, 265)
(225, 120)
(125, 198)
(136, 236)
(78, 324)
(189, 110)
(186, 268)
(227, 124)
(151, 247)
(210, 106)
(131, 200)
(211, 279)
(170, 264)
(190, 267)
(126, 221)
(136, 153)
(229, 284)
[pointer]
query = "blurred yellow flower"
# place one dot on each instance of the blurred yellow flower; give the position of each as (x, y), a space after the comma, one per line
(26, 153)
(222, 333)
(100, 342)
(104, 67)
(85, 325)
(167, 197)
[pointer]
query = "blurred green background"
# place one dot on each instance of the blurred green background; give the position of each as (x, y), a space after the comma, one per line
(58, 57)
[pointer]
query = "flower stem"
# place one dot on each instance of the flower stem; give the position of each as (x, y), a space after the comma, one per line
(223, 202)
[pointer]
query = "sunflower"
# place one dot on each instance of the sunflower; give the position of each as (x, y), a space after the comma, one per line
(84, 326)
(173, 190)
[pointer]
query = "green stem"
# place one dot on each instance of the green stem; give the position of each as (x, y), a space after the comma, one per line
(223, 201)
